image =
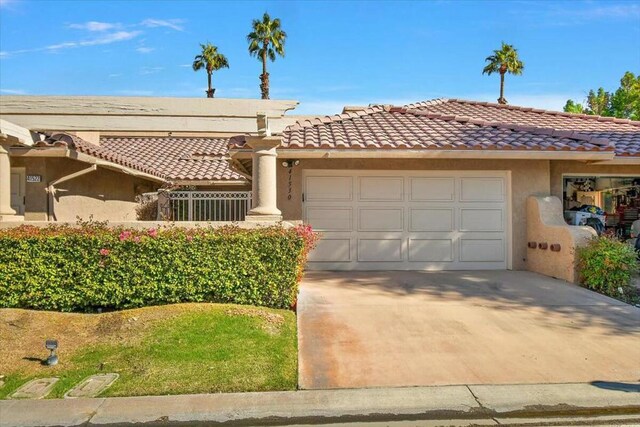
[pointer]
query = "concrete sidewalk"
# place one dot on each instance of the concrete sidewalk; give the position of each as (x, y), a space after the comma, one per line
(484, 404)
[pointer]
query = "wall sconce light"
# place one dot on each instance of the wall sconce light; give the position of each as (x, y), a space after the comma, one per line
(52, 345)
(290, 163)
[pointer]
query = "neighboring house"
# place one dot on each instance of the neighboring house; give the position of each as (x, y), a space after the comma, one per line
(94, 157)
(435, 185)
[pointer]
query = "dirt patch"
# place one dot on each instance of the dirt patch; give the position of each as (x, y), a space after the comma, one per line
(271, 322)
(23, 332)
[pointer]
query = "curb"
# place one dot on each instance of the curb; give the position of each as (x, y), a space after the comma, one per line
(488, 403)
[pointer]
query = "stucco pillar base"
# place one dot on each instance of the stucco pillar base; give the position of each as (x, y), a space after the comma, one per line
(263, 218)
(11, 218)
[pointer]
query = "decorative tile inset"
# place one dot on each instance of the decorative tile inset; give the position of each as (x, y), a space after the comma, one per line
(92, 386)
(35, 389)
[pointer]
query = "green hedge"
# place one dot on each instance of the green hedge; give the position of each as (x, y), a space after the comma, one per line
(94, 267)
(607, 265)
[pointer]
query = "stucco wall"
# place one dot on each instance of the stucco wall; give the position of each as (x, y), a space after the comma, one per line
(528, 177)
(558, 168)
(105, 194)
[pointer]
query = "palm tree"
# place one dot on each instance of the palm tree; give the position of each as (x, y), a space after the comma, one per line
(503, 61)
(211, 60)
(265, 41)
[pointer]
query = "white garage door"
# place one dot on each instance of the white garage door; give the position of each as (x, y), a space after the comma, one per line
(379, 220)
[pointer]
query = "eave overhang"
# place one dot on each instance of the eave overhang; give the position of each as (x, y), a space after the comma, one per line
(580, 155)
(62, 152)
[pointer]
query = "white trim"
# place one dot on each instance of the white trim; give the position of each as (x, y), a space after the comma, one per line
(209, 182)
(81, 157)
(620, 161)
(373, 153)
(509, 222)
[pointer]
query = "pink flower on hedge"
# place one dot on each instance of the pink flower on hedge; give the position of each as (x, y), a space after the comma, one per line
(104, 251)
(136, 239)
(152, 232)
(125, 235)
(189, 238)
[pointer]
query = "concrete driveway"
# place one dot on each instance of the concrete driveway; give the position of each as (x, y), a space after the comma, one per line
(381, 329)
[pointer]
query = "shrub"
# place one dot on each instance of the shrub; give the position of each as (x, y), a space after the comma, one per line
(147, 210)
(92, 266)
(607, 265)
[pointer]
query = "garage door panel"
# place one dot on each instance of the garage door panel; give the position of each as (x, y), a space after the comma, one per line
(325, 188)
(448, 220)
(481, 189)
(376, 188)
(432, 189)
(481, 250)
(330, 218)
(431, 219)
(380, 219)
(431, 250)
(332, 249)
(380, 250)
(473, 219)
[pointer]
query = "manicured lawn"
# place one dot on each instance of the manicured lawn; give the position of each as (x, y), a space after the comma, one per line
(176, 349)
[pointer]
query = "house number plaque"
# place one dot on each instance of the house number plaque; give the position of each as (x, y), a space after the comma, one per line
(34, 178)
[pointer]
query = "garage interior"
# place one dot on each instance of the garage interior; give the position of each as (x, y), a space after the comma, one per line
(612, 201)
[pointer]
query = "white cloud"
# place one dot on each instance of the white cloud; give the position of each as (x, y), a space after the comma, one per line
(108, 38)
(174, 24)
(7, 4)
(101, 33)
(185, 65)
(13, 91)
(150, 70)
(95, 26)
(627, 11)
(114, 75)
(104, 39)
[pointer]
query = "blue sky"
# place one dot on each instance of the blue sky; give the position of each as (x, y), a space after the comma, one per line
(338, 53)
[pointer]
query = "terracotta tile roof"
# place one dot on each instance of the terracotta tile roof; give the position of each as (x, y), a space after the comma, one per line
(382, 127)
(178, 158)
(624, 134)
(170, 158)
(102, 153)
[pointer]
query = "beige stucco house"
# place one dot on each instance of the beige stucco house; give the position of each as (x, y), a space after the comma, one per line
(445, 184)
(67, 157)
(436, 185)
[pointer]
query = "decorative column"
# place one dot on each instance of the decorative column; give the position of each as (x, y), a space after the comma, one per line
(264, 179)
(7, 213)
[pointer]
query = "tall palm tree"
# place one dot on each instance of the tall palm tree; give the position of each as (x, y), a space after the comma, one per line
(504, 61)
(211, 60)
(265, 41)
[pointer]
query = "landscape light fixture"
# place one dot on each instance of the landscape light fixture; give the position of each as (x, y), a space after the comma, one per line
(52, 345)
(290, 163)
